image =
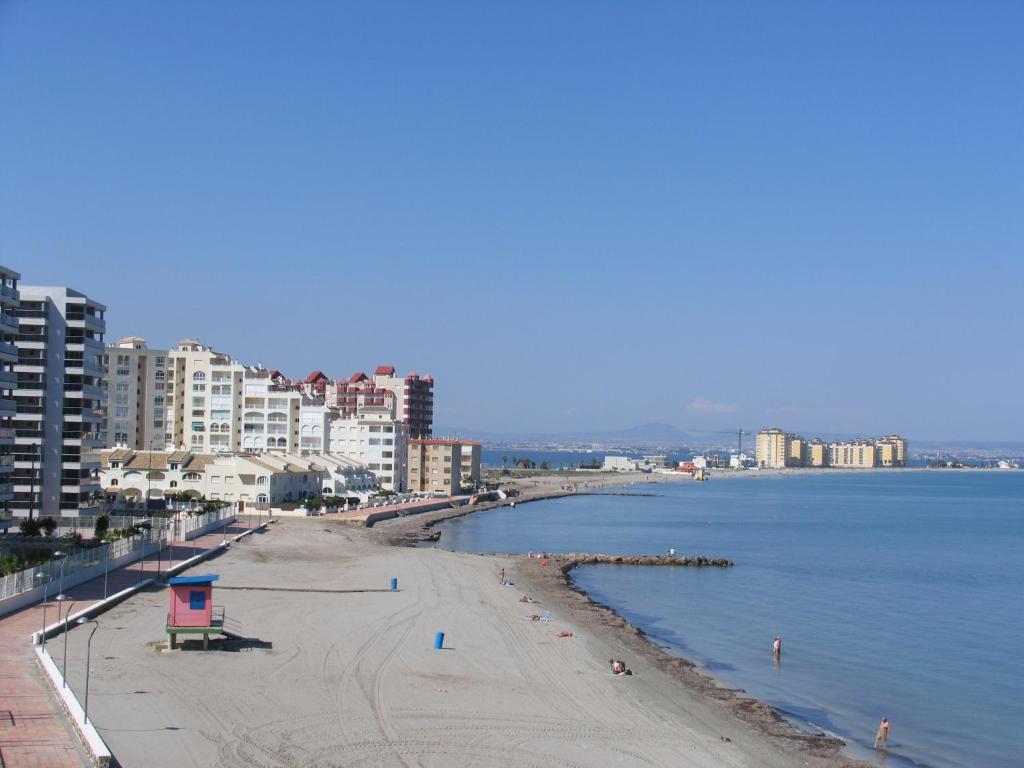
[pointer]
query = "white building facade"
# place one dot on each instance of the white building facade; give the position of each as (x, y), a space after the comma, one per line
(59, 400)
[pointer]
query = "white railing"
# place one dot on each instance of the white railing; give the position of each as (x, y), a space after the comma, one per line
(67, 567)
(195, 522)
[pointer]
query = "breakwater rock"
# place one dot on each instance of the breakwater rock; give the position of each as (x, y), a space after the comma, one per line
(567, 561)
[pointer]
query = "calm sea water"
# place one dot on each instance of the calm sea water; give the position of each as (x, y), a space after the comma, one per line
(898, 594)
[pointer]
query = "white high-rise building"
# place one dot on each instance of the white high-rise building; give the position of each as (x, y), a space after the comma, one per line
(8, 383)
(59, 399)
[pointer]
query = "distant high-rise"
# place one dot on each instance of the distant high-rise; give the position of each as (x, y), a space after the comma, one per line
(777, 449)
(59, 400)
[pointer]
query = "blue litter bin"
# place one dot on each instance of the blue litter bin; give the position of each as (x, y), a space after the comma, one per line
(394, 585)
(439, 641)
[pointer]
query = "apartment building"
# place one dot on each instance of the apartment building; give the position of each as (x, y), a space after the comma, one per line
(8, 383)
(136, 395)
(853, 454)
(815, 454)
(414, 399)
(271, 478)
(777, 449)
(436, 465)
(375, 439)
(59, 397)
(892, 451)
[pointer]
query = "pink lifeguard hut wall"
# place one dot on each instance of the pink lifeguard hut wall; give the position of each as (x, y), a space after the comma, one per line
(191, 604)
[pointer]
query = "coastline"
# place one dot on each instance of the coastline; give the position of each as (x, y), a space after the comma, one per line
(554, 586)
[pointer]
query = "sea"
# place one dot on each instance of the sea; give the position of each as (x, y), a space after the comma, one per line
(898, 594)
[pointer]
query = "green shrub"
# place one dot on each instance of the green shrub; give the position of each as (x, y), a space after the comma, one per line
(29, 527)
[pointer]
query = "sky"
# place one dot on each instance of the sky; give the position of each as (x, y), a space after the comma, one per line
(574, 215)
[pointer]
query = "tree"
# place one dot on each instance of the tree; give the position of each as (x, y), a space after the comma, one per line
(101, 527)
(29, 527)
(545, 465)
(49, 525)
(504, 461)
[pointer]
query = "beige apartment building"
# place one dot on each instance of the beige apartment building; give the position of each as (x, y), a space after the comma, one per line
(892, 451)
(136, 391)
(215, 403)
(815, 453)
(439, 466)
(777, 449)
(853, 453)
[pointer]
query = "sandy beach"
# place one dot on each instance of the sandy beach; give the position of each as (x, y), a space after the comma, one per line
(350, 677)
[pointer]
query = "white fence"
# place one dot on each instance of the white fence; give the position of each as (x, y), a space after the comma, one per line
(66, 570)
(196, 525)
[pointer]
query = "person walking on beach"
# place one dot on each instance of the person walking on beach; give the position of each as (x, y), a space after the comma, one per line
(502, 580)
(883, 734)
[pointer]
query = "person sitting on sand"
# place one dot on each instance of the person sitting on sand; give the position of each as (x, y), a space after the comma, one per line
(618, 667)
(564, 634)
(883, 734)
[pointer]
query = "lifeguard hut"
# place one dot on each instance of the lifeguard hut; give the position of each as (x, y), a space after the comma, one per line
(191, 609)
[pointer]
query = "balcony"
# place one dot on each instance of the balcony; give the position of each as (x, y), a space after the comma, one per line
(8, 351)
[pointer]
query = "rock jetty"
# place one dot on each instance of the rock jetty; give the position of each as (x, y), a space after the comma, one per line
(567, 561)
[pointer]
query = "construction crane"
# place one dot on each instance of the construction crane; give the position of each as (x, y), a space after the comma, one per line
(738, 432)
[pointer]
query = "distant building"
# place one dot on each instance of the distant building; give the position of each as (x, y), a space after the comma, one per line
(439, 466)
(777, 449)
(619, 464)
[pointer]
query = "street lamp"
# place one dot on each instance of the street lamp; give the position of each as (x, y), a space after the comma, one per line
(62, 556)
(106, 565)
(88, 654)
(64, 668)
(46, 587)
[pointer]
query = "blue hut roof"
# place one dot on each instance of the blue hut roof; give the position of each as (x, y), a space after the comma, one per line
(193, 579)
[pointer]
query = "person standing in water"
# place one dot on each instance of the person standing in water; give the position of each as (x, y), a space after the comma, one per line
(883, 734)
(777, 646)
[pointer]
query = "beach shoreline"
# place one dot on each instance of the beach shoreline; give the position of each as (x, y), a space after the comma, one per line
(553, 585)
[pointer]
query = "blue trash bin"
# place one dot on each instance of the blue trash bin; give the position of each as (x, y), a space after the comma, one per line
(394, 585)
(439, 641)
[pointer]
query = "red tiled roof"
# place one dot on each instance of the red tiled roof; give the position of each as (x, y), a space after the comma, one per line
(384, 370)
(316, 376)
(358, 376)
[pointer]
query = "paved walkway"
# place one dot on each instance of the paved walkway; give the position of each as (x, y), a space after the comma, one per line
(34, 732)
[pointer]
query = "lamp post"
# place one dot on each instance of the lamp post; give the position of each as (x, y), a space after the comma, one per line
(106, 566)
(64, 668)
(63, 559)
(46, 588)
(88, 655)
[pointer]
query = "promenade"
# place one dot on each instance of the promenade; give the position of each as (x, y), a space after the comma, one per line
(34, 730)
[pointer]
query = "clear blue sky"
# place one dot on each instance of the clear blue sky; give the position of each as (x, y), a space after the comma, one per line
(574, 215)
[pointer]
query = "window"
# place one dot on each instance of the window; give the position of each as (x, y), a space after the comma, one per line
(113, 482)
(159, 385)
(174, 483)
(197, 600)
(174, 466)
(158, 401)
(159, 362)
(198, 376)
(192, 476)
(159, 375)
(122, 386)
(121, 413)
(123, 372)
(198, 387)
(262, 480)
(121, 399)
